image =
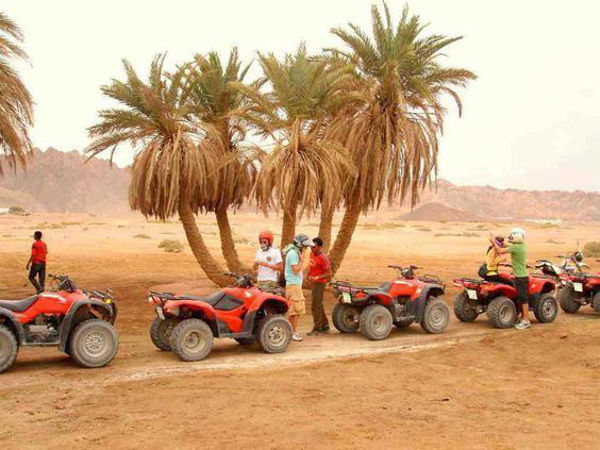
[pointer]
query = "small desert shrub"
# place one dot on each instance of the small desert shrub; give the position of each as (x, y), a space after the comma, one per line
(552, 241)
(470, 234)
(120, 226)
(7, 235)
(240, 240)
(141, 236)
(97, 223)
(592, 249)
(17, 210)
(546, 226)
(423, 229)
(84, 229)
(57, 226)
(171, 245)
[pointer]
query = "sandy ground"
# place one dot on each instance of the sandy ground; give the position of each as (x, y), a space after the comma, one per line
(471, 387)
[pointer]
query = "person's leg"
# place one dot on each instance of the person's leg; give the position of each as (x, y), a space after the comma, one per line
(522, 287)
(32, 273)
(315, 308)
(42, 276)
(324, 323)
(294, 322)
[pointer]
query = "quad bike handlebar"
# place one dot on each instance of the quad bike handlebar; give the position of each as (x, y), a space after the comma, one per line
(241, 280)
(64, 283)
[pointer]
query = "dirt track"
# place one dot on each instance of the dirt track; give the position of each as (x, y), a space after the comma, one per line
(472, 386)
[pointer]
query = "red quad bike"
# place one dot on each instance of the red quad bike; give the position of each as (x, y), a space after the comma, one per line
(80, 323)
(578, 289)
(399, 302)
(498, 300)
(187, 324)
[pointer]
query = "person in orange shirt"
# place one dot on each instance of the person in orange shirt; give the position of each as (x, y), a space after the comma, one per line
(37, 262)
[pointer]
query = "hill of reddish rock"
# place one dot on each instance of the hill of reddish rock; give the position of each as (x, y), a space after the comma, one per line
(61, 182)
(438, 212)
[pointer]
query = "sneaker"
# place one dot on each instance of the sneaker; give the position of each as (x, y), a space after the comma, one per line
(325, 330)
(296, 337)
(314, 333)
(522, 324)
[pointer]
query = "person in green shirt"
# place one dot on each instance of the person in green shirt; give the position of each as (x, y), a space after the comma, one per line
(518, 255)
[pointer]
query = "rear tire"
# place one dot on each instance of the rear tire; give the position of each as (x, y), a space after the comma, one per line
(345, 318)
(274, 333)
(94, 343)
(376, 322)
(502, 312)
(160, 332)
(596, 302)
(191, 340)
(436, 316)
(567, 299)
(8, 348)
(463, 310)
(546, 309)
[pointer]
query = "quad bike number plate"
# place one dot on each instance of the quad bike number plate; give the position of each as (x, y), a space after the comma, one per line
(346, 297)
(160, 313)
(472, 294)
(578, 287)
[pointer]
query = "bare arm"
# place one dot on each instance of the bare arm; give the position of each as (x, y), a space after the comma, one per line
(29, 262)
(498, 249)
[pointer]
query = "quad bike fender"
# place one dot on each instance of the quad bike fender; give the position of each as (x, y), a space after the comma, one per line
(383, 298)
(544, 288)
(499, 290)
(263, 307)
(8, 318)
(73, 318)
(207, 311)
(416, 307)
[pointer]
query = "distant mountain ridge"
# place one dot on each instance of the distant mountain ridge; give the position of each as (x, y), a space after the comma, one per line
(60, 182)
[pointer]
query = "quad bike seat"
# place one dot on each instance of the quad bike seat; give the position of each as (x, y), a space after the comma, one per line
(211, 299)
(218, 300)
(18, 305)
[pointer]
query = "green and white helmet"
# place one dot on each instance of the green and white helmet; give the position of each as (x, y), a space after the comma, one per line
(516, 235)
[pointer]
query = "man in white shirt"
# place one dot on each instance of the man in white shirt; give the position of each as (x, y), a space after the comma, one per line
(268, 263)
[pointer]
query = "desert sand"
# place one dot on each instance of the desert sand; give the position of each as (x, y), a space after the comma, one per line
(470, 387)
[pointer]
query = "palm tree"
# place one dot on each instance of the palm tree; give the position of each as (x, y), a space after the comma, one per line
(397, 114)
(215, 100)
(16, 105)
(171, 173)
(305, 170)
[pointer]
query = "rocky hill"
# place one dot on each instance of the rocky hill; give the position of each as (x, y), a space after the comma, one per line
(489, 202)
(60, 182)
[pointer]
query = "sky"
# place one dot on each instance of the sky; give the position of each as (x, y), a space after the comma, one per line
(530, 120)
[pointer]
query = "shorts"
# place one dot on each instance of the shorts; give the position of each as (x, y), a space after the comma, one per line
(268, 286)
(522, 287)
(295, 296)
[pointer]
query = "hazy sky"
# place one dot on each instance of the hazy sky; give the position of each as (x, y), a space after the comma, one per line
(531, 120)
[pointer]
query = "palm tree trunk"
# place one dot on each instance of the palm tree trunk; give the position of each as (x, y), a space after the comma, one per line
(344, 236)
(288, 229)
(209, 265)
(325, 226)
(227, 244)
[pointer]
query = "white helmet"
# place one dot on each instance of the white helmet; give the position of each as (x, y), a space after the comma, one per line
(516, 235)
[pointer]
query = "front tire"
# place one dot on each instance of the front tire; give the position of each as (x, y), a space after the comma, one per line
(502, 312)
(160, 332)
(274, 333)
(345, 318)
(596, 302)
(8, 348)
(436, 316)
(94, 343)
(546, 309)
(568, 300)
(191, 340)
(463, 309)
(376, 322)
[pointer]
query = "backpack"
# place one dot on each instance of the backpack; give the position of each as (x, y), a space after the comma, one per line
(482, 272)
